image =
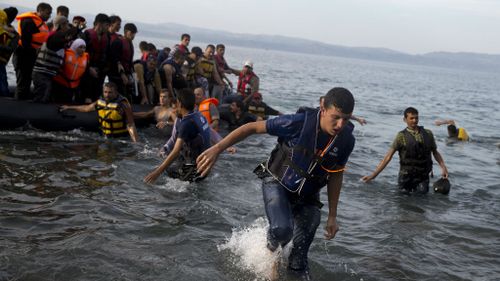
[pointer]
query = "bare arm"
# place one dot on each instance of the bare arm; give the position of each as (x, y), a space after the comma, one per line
(130, 123)
(334, 186)
(360, 120)
(151, 177)
(207, 159)
(444, 122)
(440, 160)
(215, 138)
(139, 70)
(168, 77)
(216, 76)
(381, 166)
(144, 114)
(80, 108)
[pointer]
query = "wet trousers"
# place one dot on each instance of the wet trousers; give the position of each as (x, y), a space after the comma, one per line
(413, 182)
(291, 218)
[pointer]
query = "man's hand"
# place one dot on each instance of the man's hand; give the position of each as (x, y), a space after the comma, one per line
(444, 173)
(161, 124)
(367, 179)
(206, 160)
(151, 177)
(331, 227)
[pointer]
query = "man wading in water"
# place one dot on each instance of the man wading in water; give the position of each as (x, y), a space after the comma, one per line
(313, 148)
(415, 146)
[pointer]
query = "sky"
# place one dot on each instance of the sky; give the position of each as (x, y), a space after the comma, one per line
(410, 26)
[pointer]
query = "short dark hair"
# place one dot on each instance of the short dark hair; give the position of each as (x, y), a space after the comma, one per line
(110, 85)
(143, 46)
(151, 47)
(101, 18)
(43, 6)
(452, 131)
(410, 110)
(114, 18)
(240, 104)
(185, 35)
(186, 98)
(130, 27)
(219, 46)
(340, 98)
(62, 10)
(210, 46)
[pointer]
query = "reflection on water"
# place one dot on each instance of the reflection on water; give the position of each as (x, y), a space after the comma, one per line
(73, 206)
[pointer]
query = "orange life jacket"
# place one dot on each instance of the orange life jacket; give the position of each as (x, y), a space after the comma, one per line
(37, 39)
(73, 69)
(204, 108)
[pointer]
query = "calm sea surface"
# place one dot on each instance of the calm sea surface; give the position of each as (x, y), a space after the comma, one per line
(73, 206)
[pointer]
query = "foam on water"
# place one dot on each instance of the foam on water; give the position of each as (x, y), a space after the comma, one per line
(249, 247)
(173, 185)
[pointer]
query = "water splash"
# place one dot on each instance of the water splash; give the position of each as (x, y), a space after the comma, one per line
(249, 246)
(174, 185)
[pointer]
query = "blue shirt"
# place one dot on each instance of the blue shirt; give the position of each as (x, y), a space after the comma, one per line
(183, 129)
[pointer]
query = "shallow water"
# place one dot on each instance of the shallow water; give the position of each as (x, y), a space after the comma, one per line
(74, 207)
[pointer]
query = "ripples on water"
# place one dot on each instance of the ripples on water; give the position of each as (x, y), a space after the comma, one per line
(73, 206)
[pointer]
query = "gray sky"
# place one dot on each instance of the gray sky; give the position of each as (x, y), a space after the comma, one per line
(411, 26)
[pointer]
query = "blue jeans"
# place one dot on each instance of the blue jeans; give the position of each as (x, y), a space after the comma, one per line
(290, 217)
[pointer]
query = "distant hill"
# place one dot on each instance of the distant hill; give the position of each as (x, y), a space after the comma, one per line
(461, 60)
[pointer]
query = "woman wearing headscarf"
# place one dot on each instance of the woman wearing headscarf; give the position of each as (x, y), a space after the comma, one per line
(8, 43)
(67, 81)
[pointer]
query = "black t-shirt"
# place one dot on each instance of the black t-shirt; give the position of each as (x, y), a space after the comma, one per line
(233, 122)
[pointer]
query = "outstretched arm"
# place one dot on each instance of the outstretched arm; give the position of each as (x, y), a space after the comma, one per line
(381, 166)
(439, 159)
(360, 120)
(144, 114)
(215, 138)
(151, 177)
(79, 108)
(444, 122)
(207, 159)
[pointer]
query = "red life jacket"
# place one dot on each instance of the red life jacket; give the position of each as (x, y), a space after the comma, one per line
(37, 39)
(97, 48)
(73, 69)
(204, 108)
(243, 81)
(113, 36)
(127, 54)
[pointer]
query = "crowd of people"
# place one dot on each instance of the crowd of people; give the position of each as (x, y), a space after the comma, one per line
(64, 62)
(190, 87)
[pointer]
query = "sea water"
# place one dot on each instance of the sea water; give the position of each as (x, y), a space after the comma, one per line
(73, 206)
